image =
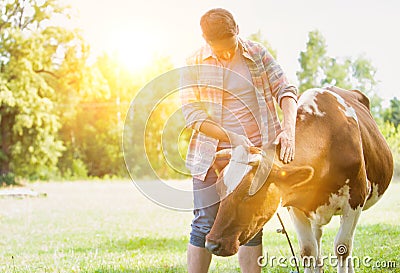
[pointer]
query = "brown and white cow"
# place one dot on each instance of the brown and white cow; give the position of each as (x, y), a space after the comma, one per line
(342, 166)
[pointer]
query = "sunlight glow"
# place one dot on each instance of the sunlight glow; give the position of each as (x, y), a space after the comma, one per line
(134, 49)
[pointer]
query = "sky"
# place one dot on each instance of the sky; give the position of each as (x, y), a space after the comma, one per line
(136, 30)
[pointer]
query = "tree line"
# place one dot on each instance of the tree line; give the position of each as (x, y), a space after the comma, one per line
(62, 117)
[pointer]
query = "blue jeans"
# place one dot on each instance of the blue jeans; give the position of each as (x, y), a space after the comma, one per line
(204, 216)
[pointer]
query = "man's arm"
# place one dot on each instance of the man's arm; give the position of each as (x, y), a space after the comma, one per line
(197, 118)
(279, 84)
(287, 137)
(214, 130)
(286, 96)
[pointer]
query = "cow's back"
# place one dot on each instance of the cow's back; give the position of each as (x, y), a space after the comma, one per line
(337, 136)
(328, 140)
(377, 155)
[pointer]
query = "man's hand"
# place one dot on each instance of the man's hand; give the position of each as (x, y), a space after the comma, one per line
(287, 137)
(287, 146)
(236, 140)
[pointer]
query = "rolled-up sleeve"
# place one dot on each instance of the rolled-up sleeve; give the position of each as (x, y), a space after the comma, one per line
(192, 107)
(278, 82)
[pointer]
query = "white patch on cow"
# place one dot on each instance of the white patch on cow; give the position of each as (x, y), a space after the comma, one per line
(374, 197)
(348, 110)
(303, 228)
(336, 202)
(237, 167)
(308, 102)
(345, 236)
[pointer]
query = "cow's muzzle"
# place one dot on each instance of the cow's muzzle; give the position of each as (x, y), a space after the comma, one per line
(220, 248)
(212, 247)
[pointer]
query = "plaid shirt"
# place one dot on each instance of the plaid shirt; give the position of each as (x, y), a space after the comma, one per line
(202, 98)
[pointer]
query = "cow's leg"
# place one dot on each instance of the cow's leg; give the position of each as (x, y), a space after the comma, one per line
(344, 238)
(317, 230)
(308, 244)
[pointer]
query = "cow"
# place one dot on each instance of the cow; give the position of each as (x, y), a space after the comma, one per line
(342, 166)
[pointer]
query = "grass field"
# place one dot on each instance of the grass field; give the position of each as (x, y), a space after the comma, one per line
(110, 227)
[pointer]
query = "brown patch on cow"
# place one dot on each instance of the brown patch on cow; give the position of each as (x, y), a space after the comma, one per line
(292, 180)
(305, 251)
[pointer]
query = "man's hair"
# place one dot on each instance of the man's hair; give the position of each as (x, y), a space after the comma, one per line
(218, 24)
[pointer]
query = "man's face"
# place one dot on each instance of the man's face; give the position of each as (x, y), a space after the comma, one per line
(224, 49)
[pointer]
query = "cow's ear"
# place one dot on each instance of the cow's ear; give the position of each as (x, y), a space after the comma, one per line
(295, 176)
(261, 174)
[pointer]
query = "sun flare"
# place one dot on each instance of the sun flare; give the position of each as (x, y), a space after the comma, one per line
(134, 50)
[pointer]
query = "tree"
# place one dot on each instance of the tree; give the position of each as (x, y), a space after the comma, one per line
(312, 62)
(318, 70)
(258, 37)
(92, 135)
(392, 113)
(392, 136)
(153, 126)
(33, 54)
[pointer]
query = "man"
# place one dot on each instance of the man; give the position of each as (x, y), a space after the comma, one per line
(242, 113)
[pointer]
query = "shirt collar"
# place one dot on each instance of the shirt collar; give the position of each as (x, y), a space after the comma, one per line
(245, 50)
(207, 53)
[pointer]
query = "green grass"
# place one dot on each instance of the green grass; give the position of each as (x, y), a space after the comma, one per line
(110, 227)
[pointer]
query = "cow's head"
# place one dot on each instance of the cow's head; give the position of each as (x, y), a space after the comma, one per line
(250, 197)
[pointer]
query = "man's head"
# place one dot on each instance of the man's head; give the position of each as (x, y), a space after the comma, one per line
(220, 32)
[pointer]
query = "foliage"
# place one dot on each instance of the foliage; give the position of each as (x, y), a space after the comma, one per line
(63, 115)
(7, 179)
(392, 113)
(58, 113)
(392, 136)
(318, 70)
(258, 37)
(158, 114)
(92, 130)
(33, 53)
(312, 62)
(93, 133)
